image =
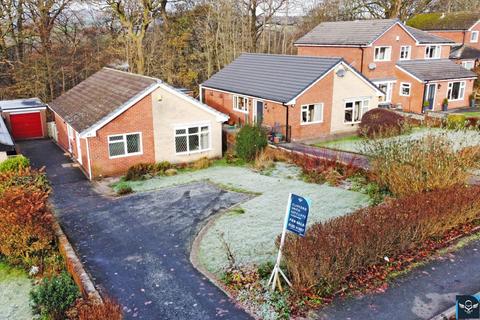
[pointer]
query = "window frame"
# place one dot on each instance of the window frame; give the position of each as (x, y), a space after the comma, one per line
(407, 84)
(235, 103)
(389, 51)
(436, 46)
(476, 33)
(124, 140)
(186, 134)
(462, 89)
(362, 109)
(321, 104)
(409, 55)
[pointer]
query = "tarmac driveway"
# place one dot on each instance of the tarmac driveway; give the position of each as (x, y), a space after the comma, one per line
(137, 247)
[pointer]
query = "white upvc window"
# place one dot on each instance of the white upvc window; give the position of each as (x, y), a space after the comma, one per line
(312, 113)
(474, 37)
(125, 145)
(240, 104)
(405, 89)
(383, 53)
(469, 65)
(433, 52)
(405, 52)
(456, 90)
(192, 139)
(355, 109)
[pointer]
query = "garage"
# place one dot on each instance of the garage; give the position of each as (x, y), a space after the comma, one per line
(26, 125)
(25, 118)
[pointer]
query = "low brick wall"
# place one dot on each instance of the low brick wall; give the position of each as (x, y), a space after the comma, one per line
(75, 267)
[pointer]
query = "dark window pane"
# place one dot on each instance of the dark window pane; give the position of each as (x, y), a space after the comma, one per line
(116, 149)
(133, 143)
(193, 130)
(193, 143)
(181, 144)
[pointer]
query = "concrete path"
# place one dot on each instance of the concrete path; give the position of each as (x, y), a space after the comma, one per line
(137, 247)
(421, 294)
(357, 160)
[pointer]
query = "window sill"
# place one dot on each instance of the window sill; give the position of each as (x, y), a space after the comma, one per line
(404, 95)
(192, 152)
(309, 123)
(382, 60)
(126, 155)
(455, 100)
(241, 111)
(351, 123)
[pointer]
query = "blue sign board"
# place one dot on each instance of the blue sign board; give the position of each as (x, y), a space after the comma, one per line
(298, 215)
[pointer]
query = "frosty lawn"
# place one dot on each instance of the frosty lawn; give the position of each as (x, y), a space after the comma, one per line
(460, 138)
(250, 233)
(14, 292)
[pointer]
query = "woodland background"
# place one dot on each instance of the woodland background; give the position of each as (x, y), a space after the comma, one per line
(48, 46)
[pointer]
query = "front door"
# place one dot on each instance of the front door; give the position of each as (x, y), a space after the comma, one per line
(430, 95)
(258, 114)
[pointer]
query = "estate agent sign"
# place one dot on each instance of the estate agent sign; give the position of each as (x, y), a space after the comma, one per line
(296, 217)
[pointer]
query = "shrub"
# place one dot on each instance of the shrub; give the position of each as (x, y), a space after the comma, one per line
(14, 164)
(250, 141)
(473, 123)
(202, 163)
(333, 251)
(28, 179)
(381, 123)
(163, 166)
(93, 310)
(138, 171)
(26, 232)
(456, 121)
(263, 161)
(53, 296)
(123, 188)
(410, 166)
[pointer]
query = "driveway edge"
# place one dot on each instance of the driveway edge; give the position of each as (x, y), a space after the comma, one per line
(194, 254)
(75, 266)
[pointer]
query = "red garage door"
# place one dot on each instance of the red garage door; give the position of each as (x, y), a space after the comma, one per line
(26, 125)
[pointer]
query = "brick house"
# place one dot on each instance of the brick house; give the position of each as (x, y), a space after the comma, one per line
(432, 81)
(306, 97)
(114, 119)
(461, 27)
(374, 47)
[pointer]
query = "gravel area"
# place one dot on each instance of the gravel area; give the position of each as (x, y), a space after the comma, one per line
(14, 292)
(250, 233)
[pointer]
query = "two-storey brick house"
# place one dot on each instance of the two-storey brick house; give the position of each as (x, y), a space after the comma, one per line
(376, 47)
(461, 27)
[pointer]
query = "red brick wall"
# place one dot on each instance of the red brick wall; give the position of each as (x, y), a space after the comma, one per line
(462, 37)
(61, 132)
(223, 102)
(353, 55)
(138, 118)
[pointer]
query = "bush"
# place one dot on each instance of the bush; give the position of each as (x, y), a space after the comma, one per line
(202, 163)
(93, 310)
(26, 232)
(381, 123)
(456, 121)
(14, 164)
(473, 123)
(28, 179)
(163, 166)
(123, 188)
(138, 171)
(53, 296)
(331, 252)
(250, 141)
(263, 161)
(410, 166)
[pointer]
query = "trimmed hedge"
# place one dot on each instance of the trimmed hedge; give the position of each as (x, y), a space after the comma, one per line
(14, 164)
(332, 251)
(381, 123)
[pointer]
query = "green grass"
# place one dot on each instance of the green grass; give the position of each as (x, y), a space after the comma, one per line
(472, 114)
(333, 144)
(15, 288)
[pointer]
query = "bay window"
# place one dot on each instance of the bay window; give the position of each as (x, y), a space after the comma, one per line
(456, 90)
(190, 139)
(124, 145)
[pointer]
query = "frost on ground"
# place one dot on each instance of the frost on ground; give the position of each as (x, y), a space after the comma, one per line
(250, 233)
(459, 138)
(14, 292)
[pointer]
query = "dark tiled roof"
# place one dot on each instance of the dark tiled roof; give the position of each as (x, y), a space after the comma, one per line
(464, 52)
(444, 21)
(425, 37)
(435, 69)
(98, 96)
(358, 32)
(273, 77)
